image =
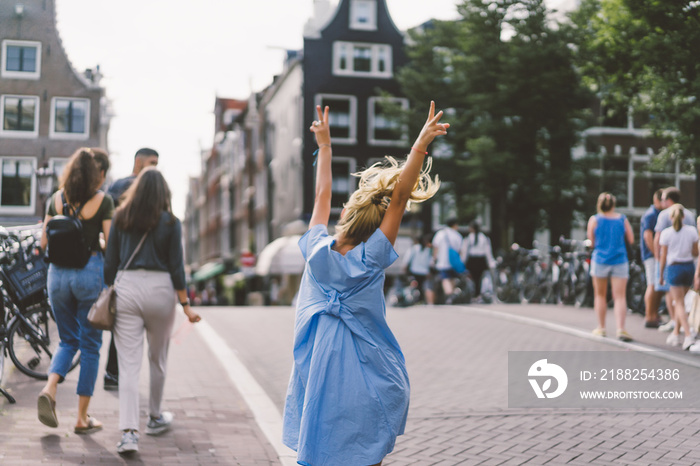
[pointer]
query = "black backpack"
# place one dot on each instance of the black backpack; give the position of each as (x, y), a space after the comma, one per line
(67, 246)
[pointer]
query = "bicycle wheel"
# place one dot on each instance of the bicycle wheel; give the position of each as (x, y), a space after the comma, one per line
(32, 341)
(530, 285)
(583, 288)
(636, 287)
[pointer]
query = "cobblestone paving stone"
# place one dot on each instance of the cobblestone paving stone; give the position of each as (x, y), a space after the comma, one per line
(459, 415)
(212, 425)
(457, 362)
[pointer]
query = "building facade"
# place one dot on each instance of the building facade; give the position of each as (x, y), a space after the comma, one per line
(48, 110)
(350, 61)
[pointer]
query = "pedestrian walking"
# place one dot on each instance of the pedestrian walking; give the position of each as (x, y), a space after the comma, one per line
(669, 198)
(418, 263)
(146, 297)
(610, 232)
(478, 255)
(73, 290)
(144, 157)
(447, 241)
(348, 395)
(646, 245)
(679, 248)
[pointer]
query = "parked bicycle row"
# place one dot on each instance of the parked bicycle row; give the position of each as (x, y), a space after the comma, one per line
(557, 275)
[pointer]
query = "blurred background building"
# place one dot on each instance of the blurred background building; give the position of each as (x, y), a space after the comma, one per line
(47, 109)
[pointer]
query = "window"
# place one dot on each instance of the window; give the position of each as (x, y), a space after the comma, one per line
(17, 185)
(342, 117)
(384, 121)
(57, 165)
(363, 14)
(19, 115)
(343, 182)
(70, 118)
(21, 59)
(362, 59)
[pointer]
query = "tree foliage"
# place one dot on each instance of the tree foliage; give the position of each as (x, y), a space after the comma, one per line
(506, 72)
(642, 55)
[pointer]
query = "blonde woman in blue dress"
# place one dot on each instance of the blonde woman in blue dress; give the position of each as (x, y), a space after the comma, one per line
(348, 394)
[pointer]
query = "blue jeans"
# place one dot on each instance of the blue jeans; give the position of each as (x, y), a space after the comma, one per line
(72, 292)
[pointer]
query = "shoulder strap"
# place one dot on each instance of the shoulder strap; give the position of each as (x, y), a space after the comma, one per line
(67, 207)
(133, 254)
(128, 263)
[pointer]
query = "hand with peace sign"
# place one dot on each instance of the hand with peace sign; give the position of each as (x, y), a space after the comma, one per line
(321, 129)
(431, 129)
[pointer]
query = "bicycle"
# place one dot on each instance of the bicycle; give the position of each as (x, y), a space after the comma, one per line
(30, 334)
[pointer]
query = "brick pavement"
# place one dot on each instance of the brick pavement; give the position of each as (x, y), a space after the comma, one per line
(212, 423)
(457, 360)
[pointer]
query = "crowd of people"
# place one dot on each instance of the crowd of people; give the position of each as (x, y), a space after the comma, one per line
(148, 286)
(445, 255)
(669, 250)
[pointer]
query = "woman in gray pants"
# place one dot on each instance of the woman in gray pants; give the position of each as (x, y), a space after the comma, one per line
(146, 296)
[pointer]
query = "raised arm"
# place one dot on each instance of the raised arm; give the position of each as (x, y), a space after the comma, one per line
(324, 175)
(409, 174)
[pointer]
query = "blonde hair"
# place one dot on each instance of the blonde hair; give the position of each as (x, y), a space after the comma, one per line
(606, 202)
(366, 207)
(676, 213)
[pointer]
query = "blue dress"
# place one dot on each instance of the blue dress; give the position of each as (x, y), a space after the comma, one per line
(348, 394)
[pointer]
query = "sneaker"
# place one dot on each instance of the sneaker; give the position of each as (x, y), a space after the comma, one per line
(111, 382)
(129, 443)
(688, 342)
(160, 425)
(623, 336)
(694, 348)
(652, 324)
(674, 339)
(668, 326)
(599, 332)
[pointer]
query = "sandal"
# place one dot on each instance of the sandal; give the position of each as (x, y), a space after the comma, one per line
(93, 426)
(46, 408)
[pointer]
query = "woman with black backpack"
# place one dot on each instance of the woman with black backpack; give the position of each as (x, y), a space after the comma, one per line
(76, 215)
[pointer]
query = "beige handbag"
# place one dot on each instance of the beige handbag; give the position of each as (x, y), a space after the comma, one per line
(102, 312)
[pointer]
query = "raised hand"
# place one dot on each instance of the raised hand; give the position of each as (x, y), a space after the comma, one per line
(320, 127)
(431, 129)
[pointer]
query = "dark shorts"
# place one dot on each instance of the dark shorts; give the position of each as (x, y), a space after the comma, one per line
(680, 274)
(447, 273)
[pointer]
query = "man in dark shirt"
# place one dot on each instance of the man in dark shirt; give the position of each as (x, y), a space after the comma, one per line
(144, 157)
(652, 297)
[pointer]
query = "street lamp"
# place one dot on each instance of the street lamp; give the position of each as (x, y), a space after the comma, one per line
(45, 181)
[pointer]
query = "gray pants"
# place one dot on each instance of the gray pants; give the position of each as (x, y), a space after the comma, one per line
(145, 301)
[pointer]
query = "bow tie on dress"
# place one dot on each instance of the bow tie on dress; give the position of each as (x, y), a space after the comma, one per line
(332, 306)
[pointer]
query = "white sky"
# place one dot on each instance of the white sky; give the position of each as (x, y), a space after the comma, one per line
(164, 62)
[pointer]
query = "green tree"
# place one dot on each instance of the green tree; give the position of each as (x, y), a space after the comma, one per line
(507, 75)
(642, 55)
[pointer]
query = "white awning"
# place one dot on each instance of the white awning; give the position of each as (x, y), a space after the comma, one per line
(280, 257)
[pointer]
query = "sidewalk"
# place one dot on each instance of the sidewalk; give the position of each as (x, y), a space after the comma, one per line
(583, 319)
(212, 425)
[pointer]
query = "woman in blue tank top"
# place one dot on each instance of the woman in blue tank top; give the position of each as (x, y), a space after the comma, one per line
(610, 232)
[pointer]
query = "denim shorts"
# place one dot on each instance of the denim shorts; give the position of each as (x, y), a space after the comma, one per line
(680, 274)
(446, 274)
(605, 270)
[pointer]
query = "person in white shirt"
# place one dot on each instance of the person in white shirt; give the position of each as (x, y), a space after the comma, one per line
(445, 239)
(478, 255)
(678, 249)
(669, 198)
(417, 263)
